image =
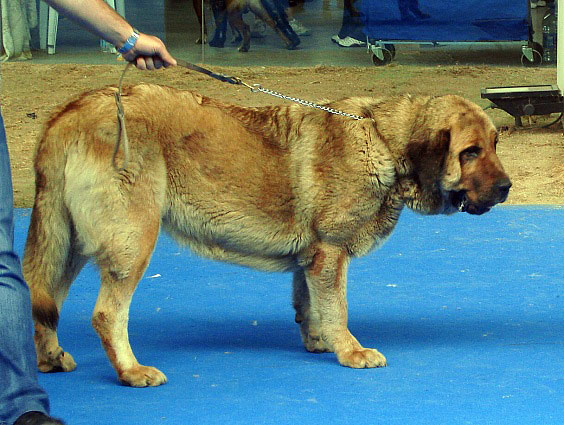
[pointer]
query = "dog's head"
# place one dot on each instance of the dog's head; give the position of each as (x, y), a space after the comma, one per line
(453, 152)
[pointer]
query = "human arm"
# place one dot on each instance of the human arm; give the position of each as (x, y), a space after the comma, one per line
(100, 19)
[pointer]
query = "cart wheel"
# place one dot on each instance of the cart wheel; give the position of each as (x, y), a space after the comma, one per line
(392, 49)
(537, 46)
(537, 59)
(380, 62)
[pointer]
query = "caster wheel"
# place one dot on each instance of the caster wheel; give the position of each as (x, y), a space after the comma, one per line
(538, 47)
(391, 48)
(537, 59)
(385, 60)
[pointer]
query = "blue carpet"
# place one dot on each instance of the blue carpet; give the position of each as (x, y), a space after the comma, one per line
(468, 310)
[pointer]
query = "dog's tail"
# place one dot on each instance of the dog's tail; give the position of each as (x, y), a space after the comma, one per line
(47, 249)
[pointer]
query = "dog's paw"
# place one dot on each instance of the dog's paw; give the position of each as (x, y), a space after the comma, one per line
(142, 376)
(365, 357)
(57, 362)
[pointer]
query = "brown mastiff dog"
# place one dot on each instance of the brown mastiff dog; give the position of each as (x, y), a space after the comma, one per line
(280, 188)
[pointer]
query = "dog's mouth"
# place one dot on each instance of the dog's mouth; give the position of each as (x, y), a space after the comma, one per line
(459, 200)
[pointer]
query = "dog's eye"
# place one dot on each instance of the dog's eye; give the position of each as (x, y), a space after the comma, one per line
(470, 153)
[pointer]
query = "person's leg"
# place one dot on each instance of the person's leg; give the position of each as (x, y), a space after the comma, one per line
(403, 6)
(351, 33)
(19, 389)
(293, 8)
(352, 21)
(219, 9)
(345, 24)
(414, 8)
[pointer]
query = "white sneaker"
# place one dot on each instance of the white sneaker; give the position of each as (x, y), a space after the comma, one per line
(336, 39)
(298, 27)
(350, 42)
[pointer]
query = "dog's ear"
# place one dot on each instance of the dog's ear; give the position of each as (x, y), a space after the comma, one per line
(451, 165)
(441, 145)
(429, 155)
(443, 138)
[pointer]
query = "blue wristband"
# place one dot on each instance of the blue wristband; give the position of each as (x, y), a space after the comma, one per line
(129, 43)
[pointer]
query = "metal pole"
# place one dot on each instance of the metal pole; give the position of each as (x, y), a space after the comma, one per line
(560, 47)
(203, 58)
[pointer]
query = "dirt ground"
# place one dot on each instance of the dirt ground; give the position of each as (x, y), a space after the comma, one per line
(533, 156)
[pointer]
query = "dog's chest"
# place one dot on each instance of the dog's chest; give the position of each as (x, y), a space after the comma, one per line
(373, 231)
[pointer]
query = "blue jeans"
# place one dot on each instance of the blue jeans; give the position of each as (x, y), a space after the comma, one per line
(19, 390)
(352, 24)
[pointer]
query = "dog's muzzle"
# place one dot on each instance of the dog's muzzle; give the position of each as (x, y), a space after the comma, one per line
(460, 201)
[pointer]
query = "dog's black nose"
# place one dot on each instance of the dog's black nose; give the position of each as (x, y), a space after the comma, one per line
(503, 186)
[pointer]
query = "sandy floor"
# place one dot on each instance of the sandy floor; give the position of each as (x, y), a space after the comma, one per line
(533, 157)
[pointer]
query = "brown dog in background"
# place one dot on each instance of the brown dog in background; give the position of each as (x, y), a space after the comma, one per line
(271, 12)
(281, 188)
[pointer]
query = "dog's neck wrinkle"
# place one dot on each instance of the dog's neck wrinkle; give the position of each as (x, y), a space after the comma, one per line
(398, 128)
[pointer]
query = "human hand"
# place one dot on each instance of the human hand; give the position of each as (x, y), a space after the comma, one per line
(149, 52)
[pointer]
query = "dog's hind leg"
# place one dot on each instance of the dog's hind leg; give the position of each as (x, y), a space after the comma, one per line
(119, 222)
(306, 317)
(50, 356)
(51, 261)
(121, 269)
(117, 216)
(237, 22)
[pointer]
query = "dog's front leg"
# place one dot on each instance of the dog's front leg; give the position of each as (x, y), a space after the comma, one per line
(326, 278)
(306, 317)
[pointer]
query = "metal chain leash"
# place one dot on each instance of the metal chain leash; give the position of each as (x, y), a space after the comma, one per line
(258, 88)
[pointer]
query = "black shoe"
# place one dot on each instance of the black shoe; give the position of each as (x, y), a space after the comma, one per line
(218, 39)
(37, 418)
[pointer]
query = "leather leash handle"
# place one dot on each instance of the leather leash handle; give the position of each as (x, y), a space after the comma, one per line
(220, 77)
